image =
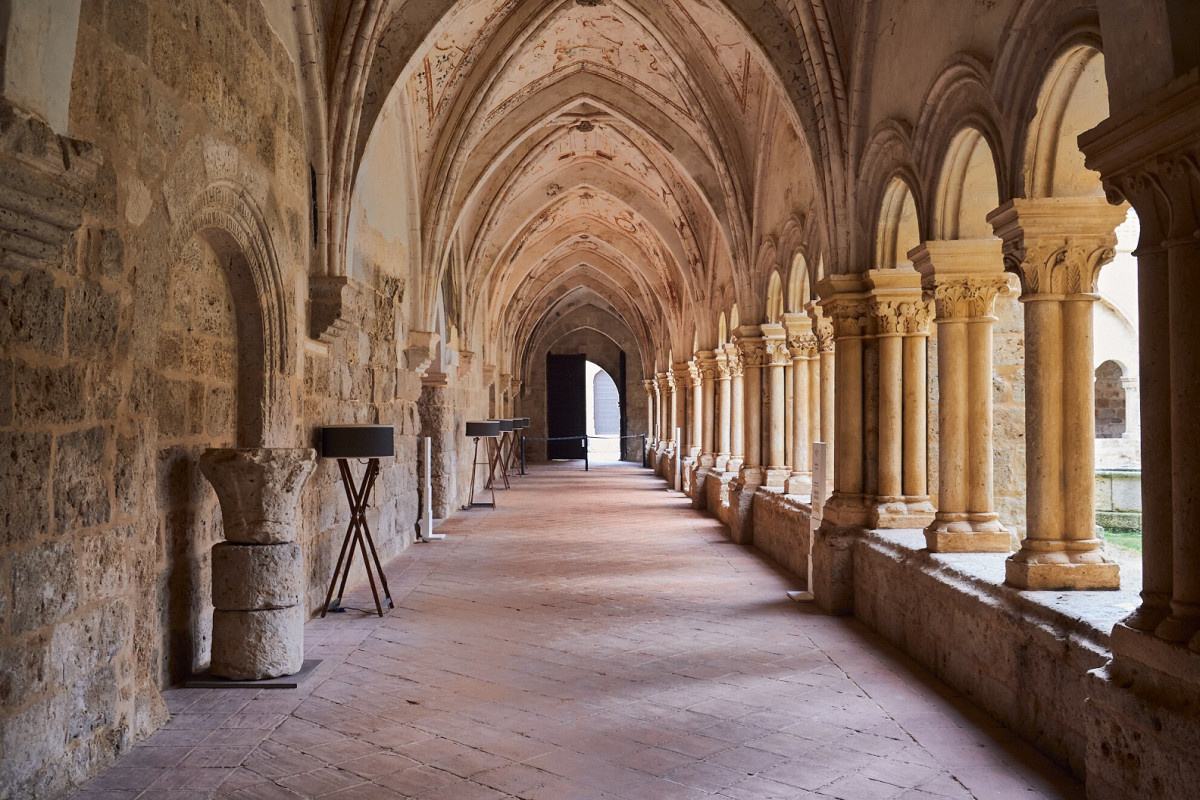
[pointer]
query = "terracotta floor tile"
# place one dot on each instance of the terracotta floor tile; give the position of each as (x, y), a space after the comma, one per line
(593, 638)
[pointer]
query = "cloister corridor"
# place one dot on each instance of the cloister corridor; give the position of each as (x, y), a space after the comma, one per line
(593, 637)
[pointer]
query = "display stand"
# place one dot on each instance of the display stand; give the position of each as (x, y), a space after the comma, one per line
(498, 459)
(483, 430)
(357, 441)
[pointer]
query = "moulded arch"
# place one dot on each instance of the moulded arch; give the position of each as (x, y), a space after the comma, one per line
(897, 230)
(228, 220)
(798, 285)
(968, 188)
(775, 304)
(1073, 98)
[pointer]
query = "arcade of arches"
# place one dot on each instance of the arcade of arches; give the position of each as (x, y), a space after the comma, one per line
(878, 224)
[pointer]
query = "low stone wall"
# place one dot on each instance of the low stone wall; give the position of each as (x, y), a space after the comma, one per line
(1119, 498)
(1021, 656)
(716, 490)
(781, 529)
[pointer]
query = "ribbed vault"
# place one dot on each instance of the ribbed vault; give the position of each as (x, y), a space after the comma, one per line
(611, 146)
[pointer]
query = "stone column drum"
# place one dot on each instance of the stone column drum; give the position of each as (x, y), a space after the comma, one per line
(257, 572)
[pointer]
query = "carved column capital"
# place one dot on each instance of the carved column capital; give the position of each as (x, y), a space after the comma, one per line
(967, 298)
(1057, 245)
(721, 365)
(706, 365)
(848, 318)
(904, 317)
(777, 352)
(753, 352)
(734, 363)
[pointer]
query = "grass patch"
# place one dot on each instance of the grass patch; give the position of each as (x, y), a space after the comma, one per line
(1127, 540)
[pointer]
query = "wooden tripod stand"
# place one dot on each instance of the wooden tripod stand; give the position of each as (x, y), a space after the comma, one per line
(358, 533)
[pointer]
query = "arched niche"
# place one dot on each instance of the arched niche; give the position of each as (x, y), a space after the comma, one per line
(798, 283)
(734, 318)
(722, 329)
(968, 189)
(229, 222)
(898, 230)
(1073, 99)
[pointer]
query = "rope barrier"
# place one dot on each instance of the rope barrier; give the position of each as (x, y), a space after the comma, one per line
(584, 436)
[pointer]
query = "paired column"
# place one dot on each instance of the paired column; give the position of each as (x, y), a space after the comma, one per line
(737, 406)
(706, 362)
(823, 408)
(666, 410)
(753, 353)
(845, 305)
(901, 318)
(802, 346)
(1057, 246)
(696, 440)
(964, 277)
(682, 378)
(776, 359)
(724, 410)
(651, 432)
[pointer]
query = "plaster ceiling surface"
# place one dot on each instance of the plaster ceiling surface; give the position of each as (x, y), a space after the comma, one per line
(609, 141)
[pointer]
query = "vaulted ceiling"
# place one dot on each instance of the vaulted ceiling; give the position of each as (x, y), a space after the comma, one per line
(629, 147)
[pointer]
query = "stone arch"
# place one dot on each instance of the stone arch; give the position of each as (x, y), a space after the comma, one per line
(798, 285)
(1073, 99)
(722, 329)
(968, 188)
(898, 229)
(775, 299)
(228, 220)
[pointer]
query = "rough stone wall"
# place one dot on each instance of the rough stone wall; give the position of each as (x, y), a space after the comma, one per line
(1008, 398)
(1110, 401)
(116, 368)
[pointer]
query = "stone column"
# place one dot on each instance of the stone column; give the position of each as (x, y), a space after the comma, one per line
(673, 417)
(964, 277)
(845, 301)
(737, 409)
(753, 354)
(651, 432)
(696, 384)
(707, 361)
(826, 371)
(725, 416)
(1057, 247)
(777, 358)
(801, 346)
(901, 319)
(258, 572)
(682, 375)
(1142, 705)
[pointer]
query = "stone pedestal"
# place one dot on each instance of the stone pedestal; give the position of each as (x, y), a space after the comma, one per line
(257, 573)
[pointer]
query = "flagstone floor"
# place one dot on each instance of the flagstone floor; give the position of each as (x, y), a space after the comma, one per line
(593, 638)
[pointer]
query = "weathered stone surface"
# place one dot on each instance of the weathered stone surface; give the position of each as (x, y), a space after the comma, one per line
(49, 592)
(48, 395)
(92, 319)
(31, 312)
(81, 497)
(252, 645)
(25, 476)
(258, 490)
(250, 577)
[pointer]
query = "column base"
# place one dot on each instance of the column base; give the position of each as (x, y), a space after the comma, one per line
(901, 512)
(707, 460)
(1054, 571)
(776, 477)
(952, 532)
(720, 462)
(734, 464)
(799, 483)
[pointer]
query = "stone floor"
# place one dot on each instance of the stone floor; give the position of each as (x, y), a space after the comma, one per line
(592, 638)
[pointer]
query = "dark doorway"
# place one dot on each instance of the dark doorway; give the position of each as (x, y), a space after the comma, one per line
(566, 405)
